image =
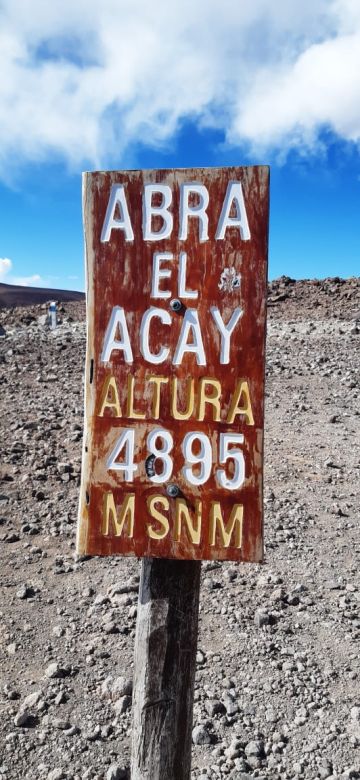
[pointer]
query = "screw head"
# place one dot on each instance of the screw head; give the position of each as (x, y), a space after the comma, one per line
(172, 490)
(175, 304)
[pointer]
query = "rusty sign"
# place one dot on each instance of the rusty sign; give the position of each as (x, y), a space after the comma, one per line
(174, 384)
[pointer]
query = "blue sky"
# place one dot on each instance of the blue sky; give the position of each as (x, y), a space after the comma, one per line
(272, 85)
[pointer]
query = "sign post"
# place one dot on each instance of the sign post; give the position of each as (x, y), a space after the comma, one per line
(173, 446)
(164, 669)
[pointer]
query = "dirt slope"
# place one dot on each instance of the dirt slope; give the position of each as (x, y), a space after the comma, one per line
(12, 295)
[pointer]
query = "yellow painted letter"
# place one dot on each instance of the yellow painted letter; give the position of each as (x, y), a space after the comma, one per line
(114, 521)
(226, 531)
(242, 389)
(193, 528)
(110, 397)
(151, 501)
(130, 411)
(155, 407)
(190, 400)
(212, 398)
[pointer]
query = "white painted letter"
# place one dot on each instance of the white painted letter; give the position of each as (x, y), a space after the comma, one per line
(183, 292)
(117, 198)
(160, 273)
(190, 323)
(150, 211)
(225, 330)
(198, 211)
(165, 318)
(128, 467)
(116, 320)
(234, 195)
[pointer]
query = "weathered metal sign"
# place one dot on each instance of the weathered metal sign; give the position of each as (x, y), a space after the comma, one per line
(174, 383)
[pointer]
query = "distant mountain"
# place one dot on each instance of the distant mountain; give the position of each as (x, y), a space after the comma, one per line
(13, 295)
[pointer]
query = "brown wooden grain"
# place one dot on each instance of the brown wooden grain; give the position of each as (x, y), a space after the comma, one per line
(164, 671)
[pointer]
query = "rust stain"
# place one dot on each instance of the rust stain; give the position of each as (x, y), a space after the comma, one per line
(227, 273)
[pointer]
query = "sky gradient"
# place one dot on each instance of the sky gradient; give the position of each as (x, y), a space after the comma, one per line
(187, 87)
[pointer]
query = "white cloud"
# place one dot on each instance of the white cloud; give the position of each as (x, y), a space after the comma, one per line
(29, 281)
(5, 267)
(86, 79)
(34, 280)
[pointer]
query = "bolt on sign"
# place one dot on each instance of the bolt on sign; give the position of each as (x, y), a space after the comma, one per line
(174, 383)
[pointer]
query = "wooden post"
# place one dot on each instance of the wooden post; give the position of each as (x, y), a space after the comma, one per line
(164, 673)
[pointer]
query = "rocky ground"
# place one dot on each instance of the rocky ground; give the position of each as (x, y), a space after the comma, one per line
(278, 682)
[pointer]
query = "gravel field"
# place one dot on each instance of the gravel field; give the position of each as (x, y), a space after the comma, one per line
(278, 680)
